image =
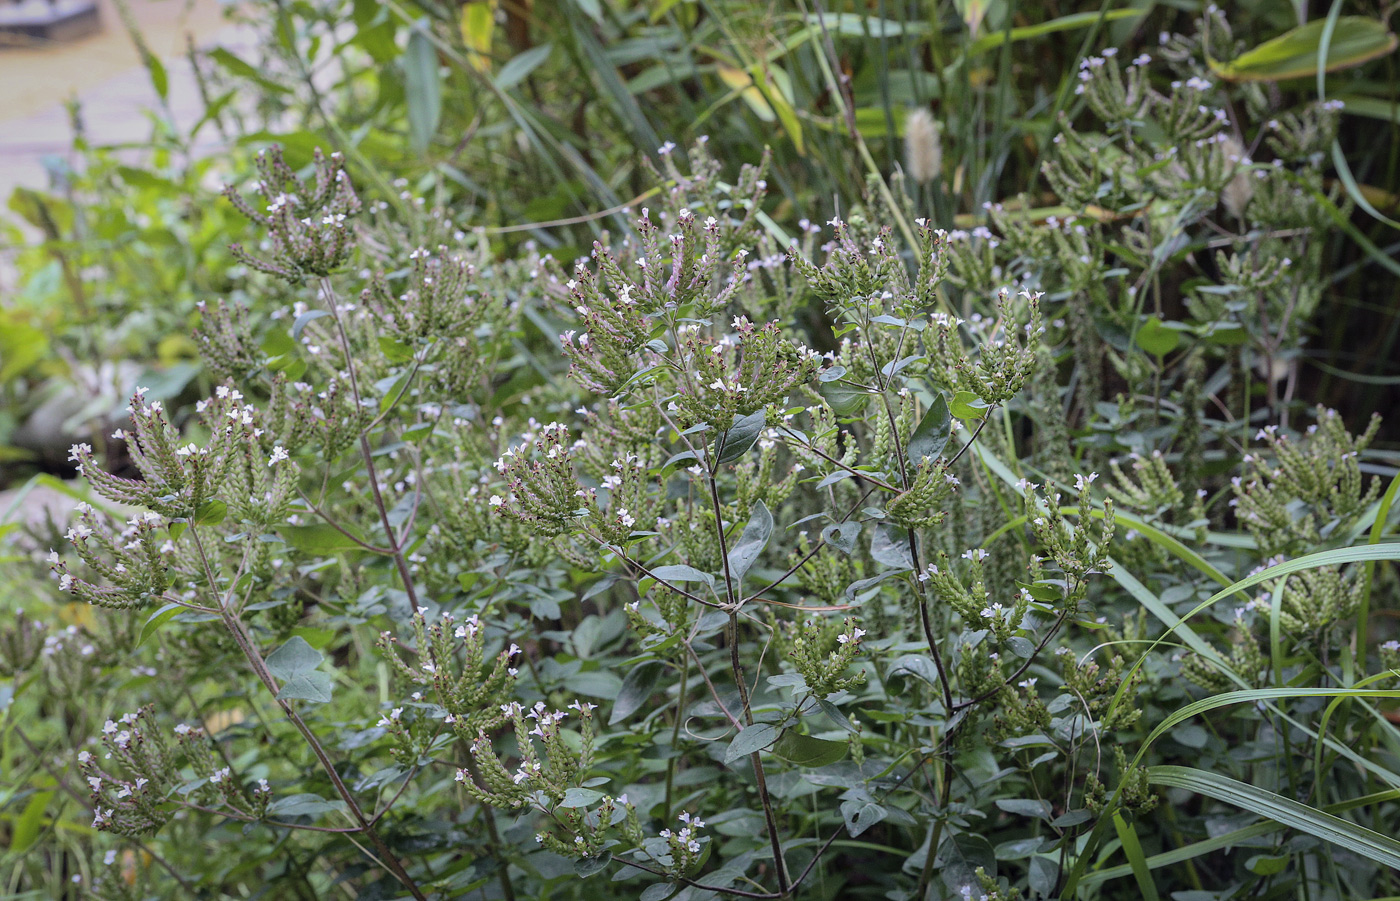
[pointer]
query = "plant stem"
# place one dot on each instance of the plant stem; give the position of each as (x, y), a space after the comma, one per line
(732, 636)
(250, 652)
(675, 736)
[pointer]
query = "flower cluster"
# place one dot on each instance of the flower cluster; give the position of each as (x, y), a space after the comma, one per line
(544, 489)
(578, 832)
(308, 231)
(131, 804)
(684, 848)
(743, 372)
(469, 685)
(536, 780)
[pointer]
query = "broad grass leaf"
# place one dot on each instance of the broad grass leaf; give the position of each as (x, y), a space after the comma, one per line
(1297, 53)
(1372, 845)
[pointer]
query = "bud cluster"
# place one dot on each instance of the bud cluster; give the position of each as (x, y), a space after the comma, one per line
(578, 832)
(1006, 353)
(822, 650)
(1072, 548)
(1311, 488)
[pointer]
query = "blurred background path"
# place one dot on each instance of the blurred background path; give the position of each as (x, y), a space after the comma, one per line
(104, 72)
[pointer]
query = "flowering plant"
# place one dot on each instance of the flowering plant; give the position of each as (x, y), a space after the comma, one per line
(776, 568)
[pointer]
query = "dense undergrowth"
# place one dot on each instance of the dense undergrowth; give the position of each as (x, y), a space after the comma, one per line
(928, 452)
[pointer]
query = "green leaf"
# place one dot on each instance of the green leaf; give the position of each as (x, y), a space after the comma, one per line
(639, 685)
(589, 866)
(967, 405)
(317, 538)
(915, 665)
(312, 686)
(959, 858)
(581, 797)
(679, 572)
(931, 436)
(1132, 849)
(806, 751)
(520, 66)
(734, 442)
(303, 805)
(843, 535)
(1158, 338)
(422, 86)
(394, 350)
(1261, 865)
(1369, 844)
(156, 620)
(294, 658)
(750, 740)
(210, 513)
(277, 342)
(27, 825)
(1026, 807)
(305, 319)
(659, 891)
(752, 542)
(244, 69)
(994, 39)
(834, 714)
(1295, 53)
(861, 815)
(890, 546)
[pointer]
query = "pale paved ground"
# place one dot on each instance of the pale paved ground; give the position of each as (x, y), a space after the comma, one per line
(104, 73)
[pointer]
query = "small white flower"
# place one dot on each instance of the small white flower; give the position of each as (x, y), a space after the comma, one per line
(279, 453)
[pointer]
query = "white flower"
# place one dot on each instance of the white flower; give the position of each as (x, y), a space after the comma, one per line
(78, 451)
(279, 453)
(219, 775)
